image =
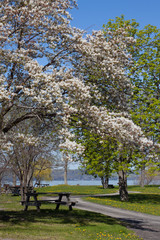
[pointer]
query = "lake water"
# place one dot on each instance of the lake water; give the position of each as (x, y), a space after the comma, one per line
(85, 182)
(77, 182)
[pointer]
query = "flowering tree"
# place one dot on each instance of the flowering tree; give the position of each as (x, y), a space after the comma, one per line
(31, 31)
(28, 159)
(45, 69)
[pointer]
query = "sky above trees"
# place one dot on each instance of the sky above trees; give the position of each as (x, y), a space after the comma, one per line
(92, 14)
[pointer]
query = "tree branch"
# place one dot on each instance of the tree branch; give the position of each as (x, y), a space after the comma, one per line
(27, 116)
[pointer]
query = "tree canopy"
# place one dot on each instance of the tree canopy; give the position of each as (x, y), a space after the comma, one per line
(51, 72)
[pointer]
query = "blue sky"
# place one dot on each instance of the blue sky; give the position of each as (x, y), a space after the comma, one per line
(92, 14)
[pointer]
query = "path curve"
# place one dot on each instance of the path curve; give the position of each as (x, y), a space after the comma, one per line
(144, 225)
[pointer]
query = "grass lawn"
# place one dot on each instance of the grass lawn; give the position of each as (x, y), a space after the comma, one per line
(147, 201)
(50, 224)
(77, 190)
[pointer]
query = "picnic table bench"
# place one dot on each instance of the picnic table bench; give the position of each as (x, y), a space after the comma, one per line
(37, 203)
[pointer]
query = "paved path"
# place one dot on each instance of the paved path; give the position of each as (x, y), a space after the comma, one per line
(144, 225)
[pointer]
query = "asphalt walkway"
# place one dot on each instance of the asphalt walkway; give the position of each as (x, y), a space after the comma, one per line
(144, 225)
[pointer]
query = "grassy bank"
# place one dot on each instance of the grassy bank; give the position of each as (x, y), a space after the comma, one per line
(56, 225)
(146, 201)
(77, 189)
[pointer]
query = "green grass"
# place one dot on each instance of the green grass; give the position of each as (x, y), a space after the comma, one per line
(91, 190)
(50, 224)
(146, 189)
(77, 190)
(147, 201)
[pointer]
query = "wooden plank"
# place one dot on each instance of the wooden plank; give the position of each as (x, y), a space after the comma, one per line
(54, 193)
(32, 204)
(49, 201)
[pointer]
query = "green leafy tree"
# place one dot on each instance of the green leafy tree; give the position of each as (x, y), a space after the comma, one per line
(43, 170)
(142, 102)
(97, 159)
(144, 75)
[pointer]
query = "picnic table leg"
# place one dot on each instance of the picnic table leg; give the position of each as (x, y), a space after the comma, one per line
(26, 203)
(59, 200)
(68, 199)
(70, 207)
(37, 204)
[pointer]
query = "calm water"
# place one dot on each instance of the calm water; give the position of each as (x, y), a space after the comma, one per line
(85, 183)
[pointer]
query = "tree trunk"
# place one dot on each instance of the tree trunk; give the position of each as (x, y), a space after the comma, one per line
(65, 171)
(142, 177)
(30, 178)
(123, 192)
(105, 181)
(22, 189)
(0, 186)
(14, 179)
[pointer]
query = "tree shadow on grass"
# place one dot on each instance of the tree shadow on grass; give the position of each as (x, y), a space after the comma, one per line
(79, 217)
(137, 198)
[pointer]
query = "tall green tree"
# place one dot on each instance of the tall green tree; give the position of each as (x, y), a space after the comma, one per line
(141, 101)
(144, 75)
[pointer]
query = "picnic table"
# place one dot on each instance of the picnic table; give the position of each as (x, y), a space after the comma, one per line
(42, 184)
(37, 203)
(16, 191)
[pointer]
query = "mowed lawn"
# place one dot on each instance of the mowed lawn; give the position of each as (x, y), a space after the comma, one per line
(146, 200)
(77, 189)
(50, 224)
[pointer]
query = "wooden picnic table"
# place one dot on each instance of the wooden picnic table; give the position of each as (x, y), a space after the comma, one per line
(42, 184)
(15, 190)
(37, 203)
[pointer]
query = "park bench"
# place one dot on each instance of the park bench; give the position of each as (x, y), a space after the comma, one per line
(37, 203)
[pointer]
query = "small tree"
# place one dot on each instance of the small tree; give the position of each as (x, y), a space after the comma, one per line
(43, 171)
(150, 173)
(25, 160)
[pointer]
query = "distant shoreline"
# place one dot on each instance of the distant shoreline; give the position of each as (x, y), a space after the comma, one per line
(85, 182)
